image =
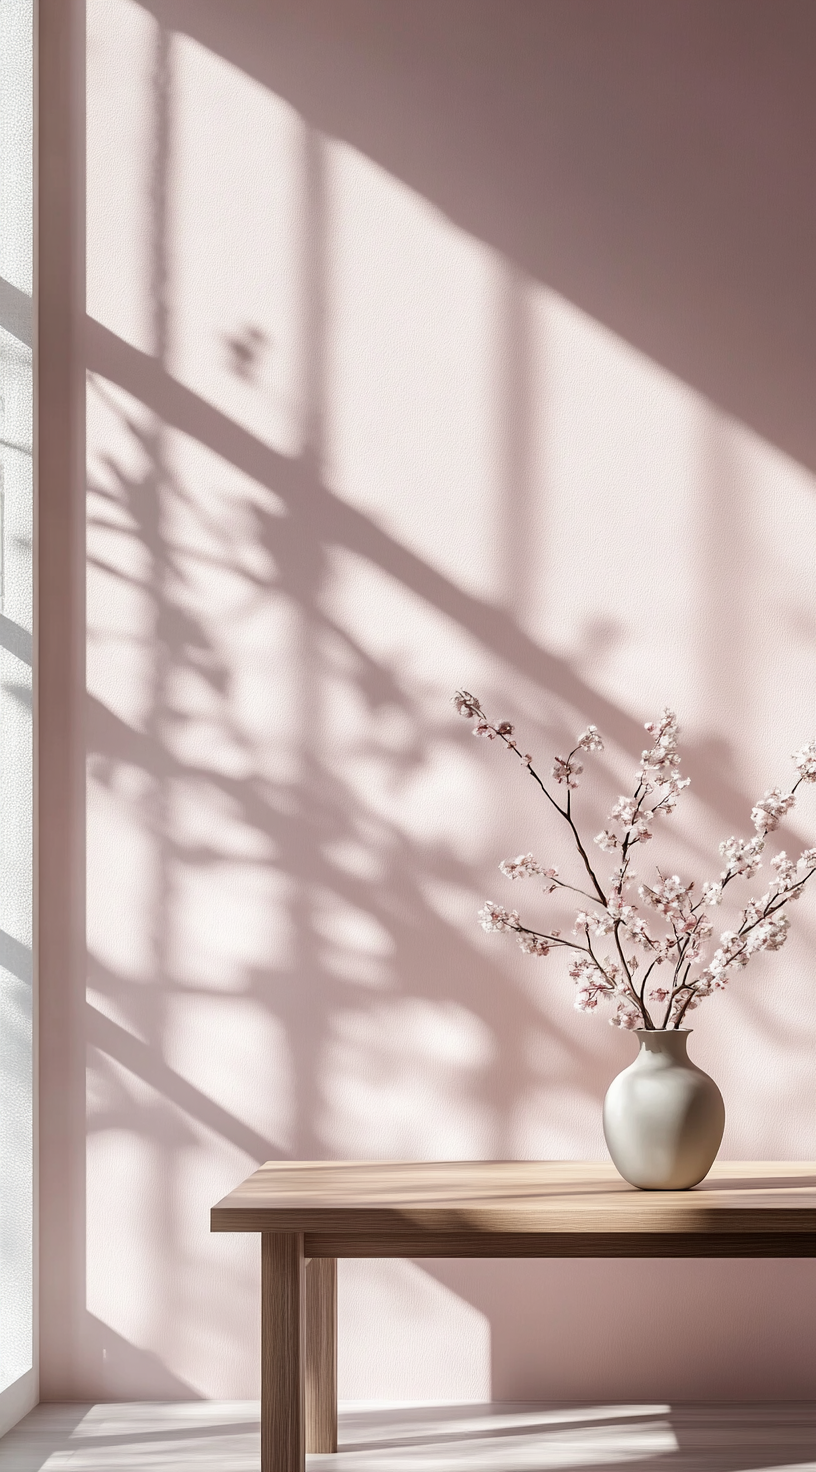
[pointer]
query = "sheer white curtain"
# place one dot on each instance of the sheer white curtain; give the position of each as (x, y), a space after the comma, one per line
(16, 504)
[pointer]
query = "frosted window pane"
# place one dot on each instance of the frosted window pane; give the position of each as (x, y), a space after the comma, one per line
(16, 484)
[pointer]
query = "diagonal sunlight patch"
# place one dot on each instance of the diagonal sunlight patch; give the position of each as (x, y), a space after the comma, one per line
(344, 458)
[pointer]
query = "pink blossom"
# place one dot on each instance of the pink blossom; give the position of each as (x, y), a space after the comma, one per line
(641, 833)
(523, 867)
(639, 933)
(763, 924)
(669, 896)
(805, 761)
(666, 728)
(591, 740)
(785, 870)
(592, 983)
(677, 784)
(731, 955)
(620, 911)
(590, 920)
(622, 877)
(664, 949)
(566, 769)
(719, 970)
(495, 917)
(585, 966)
(754, 910)
(774, 805)
(769, 936)
(634, 818)
(626, 1018)
(624, 811)
(533, 945)
(466, 704)
(586, 1000)
(603, 924)
(712, 893)
(742, 856)
(662, 756)
(619, 978)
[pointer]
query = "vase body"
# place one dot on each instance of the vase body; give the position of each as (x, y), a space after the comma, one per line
(663, 1118)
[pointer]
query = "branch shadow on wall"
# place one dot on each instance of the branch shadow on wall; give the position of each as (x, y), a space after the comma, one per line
(297, 523)
(647, 162)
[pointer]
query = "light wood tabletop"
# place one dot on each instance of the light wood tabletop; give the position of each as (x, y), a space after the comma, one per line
(310, 1213)
(524, 1208)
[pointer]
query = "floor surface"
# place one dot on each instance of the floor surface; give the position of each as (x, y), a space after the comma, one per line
(203, 1435)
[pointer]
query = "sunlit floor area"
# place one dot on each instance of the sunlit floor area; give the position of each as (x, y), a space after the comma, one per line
(151, 1437)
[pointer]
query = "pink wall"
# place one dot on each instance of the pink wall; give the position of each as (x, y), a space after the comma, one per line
(429, 344)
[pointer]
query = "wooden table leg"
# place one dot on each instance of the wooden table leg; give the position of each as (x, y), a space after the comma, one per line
(283, 1443)
(321, 1354)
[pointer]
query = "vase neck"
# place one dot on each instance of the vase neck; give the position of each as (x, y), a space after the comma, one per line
(667, 1043)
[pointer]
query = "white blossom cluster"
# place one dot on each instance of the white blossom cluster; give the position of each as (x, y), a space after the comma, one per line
(743, 855)
(566, 769)
(525, 866)
(805, 762)
(627, 982)
(770, 808)
(495, 917)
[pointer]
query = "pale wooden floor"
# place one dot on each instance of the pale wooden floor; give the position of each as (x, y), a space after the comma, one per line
(203, 1435)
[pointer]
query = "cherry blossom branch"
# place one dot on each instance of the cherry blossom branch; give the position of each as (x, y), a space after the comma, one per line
(562, 884)
(763, 925)
(625, 965)
(504, 731)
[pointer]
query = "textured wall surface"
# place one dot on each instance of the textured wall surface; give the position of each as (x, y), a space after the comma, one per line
(429, 344)
(17, 1381)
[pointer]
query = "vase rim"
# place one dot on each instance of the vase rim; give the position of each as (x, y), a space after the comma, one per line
(648, 1032)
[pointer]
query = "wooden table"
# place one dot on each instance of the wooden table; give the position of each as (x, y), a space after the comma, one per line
(309, 1213)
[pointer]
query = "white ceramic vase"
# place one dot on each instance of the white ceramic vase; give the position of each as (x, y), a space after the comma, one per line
(663, 1118)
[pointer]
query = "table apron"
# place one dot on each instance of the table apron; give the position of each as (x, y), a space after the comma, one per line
(554, 1244)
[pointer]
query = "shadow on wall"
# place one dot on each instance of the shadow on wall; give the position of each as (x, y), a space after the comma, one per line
(645, 161)
(248, 889)
(121, 1363)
